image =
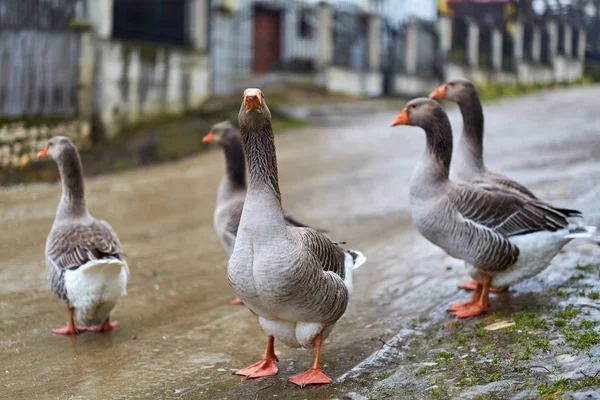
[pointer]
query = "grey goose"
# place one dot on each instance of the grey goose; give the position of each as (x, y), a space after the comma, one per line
(503, 236)
(468, 164)
(295, 279)
(232, 188)
(85, 263)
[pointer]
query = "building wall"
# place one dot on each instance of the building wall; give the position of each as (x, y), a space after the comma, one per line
(136, 82)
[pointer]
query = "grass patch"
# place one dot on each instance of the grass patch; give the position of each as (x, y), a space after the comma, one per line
(584, 268)
(594, 295)
(581, 340)
(562, 384)
(529, 320)
(569, 312)
(540, 343)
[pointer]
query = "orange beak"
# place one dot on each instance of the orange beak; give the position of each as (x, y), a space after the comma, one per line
(438, 93)
(208, 138)
(252, 99)
(402, 118)
(43, 153)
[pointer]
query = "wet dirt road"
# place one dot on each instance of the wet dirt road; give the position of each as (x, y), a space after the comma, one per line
(177, 336)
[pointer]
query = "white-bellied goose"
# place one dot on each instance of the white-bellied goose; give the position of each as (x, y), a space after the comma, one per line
(232, 189)
(86, 265)
(295, 279)
(468, 164)
(503, 236)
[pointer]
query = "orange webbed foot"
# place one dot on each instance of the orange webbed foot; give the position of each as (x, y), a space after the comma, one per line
(265, 367)
(474, 310)
(70, 330)
(471, 285)
(236, 302)
(460, 306)
(314, 376)
(107, 326)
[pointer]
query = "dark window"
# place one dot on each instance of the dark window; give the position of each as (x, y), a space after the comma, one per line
(158, 21)
(305, 24)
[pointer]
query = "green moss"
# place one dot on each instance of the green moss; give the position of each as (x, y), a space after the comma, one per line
(578, 277)
(443, 356)
(562, 384)
(81, 25)
(529, 320)
(594, 295)
(581, 340)
(560, 323)
(382, 376)
(588, 324)
(584, 268)
(526, 355)
(496, 376)
(422, 371)
(569, 312)
(540, 343)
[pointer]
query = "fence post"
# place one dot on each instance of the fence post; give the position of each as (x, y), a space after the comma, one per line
(374, 42)
(85, 82)
(582, 40)
(496, 49)
(473, 45)
(568, 38)
(100, 14)
(410, 49)
(518, 43)
(197, 24)
(444, 28)
(536, 44)
(552, 39)
(324, 36)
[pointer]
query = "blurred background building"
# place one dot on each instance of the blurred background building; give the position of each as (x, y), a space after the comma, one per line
(113, 63)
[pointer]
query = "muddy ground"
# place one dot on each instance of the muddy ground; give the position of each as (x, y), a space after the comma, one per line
(178, 337)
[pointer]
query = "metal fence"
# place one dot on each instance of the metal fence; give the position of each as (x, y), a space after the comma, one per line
(508, 47)
(39, 57)
(485, 46)
(460, 40)
(350, 41)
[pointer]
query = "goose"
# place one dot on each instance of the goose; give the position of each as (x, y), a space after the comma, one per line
(85, 263)
(468, 164)
(503, 236)
(295, 279)
(232, 189)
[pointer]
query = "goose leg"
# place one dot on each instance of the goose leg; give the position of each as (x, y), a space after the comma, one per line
(314, 375)
(236, 302)
(480, 306)
(71, 328)
(472, 285)
(266, 366)
(107, 326)
(467, 304)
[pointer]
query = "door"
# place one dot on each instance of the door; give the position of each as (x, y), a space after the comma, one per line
(267, 39)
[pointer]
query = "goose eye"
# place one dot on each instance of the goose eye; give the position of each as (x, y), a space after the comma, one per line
(413, 106)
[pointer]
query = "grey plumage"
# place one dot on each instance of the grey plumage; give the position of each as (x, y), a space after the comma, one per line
(76, 239)
(486, 224)
(232, 189)
(468, 164)
(294, 278)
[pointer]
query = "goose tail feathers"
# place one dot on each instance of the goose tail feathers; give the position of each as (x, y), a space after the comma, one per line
(358, 258)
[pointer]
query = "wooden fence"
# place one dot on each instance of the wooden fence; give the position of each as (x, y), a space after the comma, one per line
(39, 58)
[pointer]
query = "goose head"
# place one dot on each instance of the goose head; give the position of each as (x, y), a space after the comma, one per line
(222, 133)
(55, 147)
(421, 112)
(254, 112)
(457, 90)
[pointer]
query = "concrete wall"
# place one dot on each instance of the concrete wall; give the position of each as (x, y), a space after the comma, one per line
(354, 82)
(137, 82)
